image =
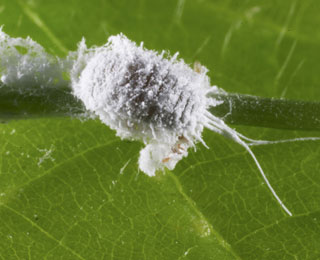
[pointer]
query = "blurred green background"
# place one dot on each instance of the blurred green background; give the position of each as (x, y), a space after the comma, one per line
(70, 189)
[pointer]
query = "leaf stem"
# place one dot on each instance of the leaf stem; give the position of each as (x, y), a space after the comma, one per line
(237, 109)
(17, 103)
(241, 109)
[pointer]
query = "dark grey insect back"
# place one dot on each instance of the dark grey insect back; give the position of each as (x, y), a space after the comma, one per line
(153, 95)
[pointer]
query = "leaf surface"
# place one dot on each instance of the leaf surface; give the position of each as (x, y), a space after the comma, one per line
(70, 189)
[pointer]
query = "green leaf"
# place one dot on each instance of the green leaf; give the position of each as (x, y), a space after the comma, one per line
(70, 189)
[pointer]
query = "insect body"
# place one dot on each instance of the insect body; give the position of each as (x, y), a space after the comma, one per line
(155, 98)
(141, 94)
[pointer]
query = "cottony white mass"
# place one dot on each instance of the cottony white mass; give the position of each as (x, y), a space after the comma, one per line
(141, 94)
(145, 96)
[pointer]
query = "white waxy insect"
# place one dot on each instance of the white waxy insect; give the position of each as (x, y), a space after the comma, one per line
(152, 97)
(141, 94)
(145, 96)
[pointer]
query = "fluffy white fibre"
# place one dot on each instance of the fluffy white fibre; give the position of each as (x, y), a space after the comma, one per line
(139, 93)
(151, 97)
(145, 96)
(24, 63)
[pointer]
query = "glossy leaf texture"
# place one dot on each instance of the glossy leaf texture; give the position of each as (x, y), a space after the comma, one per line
(71, 189)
